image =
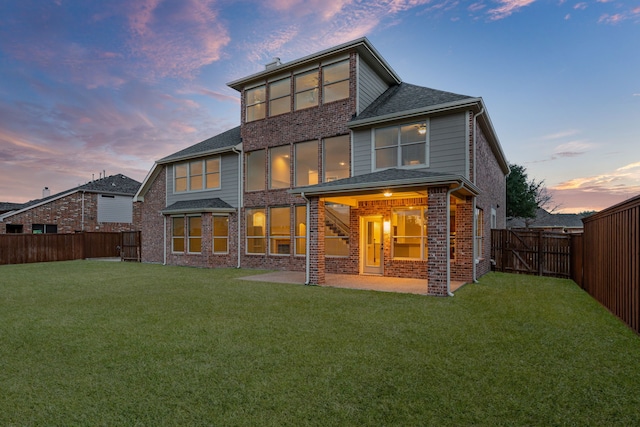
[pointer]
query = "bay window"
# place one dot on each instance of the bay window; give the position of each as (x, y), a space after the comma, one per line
(195, 234)
(177, 234)
(220, 234)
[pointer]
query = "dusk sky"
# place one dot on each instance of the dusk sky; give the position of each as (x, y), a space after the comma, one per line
(93, 86)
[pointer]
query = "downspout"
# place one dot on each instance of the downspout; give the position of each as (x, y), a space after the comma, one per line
(307, 243)
(82, 217)
(448, 236)
(475, 181)
(238, 218)
(164, 220)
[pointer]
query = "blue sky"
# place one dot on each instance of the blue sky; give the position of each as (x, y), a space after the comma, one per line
(87, 87)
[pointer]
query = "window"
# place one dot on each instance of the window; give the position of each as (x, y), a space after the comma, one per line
(280, 97)
(44, 228)
(306, 163)
(280, 170)
(306, 87)
(494, 218)
(177, 234)
(256, 237)
(336, 230)
(14, 228)
(479, 234)
(220, 234)
(336, 158)
(398, 146)
(335, 81)
(255, 170)
(409, 233)
(195, 234)
(255, 100)
(197, 175)
(279, 231)
(301, 230)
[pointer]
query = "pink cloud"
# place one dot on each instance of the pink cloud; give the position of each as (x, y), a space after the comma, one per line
(507, 8)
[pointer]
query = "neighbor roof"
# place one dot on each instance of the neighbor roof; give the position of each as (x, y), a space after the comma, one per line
(545, 219)
(218, 143)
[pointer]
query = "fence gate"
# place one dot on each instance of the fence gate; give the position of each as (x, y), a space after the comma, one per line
(531, 252)
(130, 250)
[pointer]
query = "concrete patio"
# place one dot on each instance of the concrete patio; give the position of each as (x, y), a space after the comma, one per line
(351, 281)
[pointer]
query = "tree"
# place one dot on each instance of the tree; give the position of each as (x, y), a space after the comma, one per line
(524, 196)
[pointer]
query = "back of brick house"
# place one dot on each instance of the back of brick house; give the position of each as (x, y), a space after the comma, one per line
(337, 167)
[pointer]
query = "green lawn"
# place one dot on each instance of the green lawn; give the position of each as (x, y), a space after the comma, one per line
(100, 343)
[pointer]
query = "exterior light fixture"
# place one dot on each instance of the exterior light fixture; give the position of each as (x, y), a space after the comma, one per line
(387, 194)
(422, 129)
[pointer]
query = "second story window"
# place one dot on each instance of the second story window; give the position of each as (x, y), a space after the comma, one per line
(255, 101)
(401, 146)
(306, 87)
(280, 97)
(255, 170)
(336, 158)
(280, 167)
(306, 163)
(197, 175)
(335, 81)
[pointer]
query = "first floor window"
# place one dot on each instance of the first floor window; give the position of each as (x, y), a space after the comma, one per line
(44, 228)
(220, 234)
(255, 231)
(336, 230)
(279, 231)
(409, 233)
(177, 234)
(195, 234)
(479, 233)
(301, 230)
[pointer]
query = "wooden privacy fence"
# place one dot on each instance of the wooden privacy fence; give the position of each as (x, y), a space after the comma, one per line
(611, 254)
(28, 248)
(531, 252)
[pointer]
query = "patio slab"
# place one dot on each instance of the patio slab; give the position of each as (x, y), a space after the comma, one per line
(352, 281)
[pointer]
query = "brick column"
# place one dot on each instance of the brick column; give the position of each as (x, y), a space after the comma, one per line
(437, 235)
(316, 242)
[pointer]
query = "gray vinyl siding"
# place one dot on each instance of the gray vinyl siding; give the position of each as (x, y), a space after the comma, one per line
(447, 152)
(227, 192)
(370, 86)
(361, 152)
(112, 208)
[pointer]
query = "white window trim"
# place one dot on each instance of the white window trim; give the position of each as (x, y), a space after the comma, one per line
(184, 236)
(423, 237)
(188, 235)
(427, 149)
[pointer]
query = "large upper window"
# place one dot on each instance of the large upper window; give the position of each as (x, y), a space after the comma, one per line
(255, 170)
(220, 234)
(336, 158)
(280, 97)
(255, 231)
(280, 167)
(279, 231)
(255, 101)
(336, 230)
(197, 175)
(306, 87)
(404, 145)
(335, 81)
(306, 163)
(301, 230)
(409, 233)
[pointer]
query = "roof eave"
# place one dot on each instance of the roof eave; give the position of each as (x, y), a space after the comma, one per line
(169, 159)
(464, 104)
(388, 185)
(362, 45)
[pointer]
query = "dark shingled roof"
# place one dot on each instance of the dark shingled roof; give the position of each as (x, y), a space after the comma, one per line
(114, 184)
(8, 206)
(545, 219)
(224, 140)
(406, 97)
(200, 204)
(382, 176)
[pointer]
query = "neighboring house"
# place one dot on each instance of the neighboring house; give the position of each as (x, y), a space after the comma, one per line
(546, 221)
(104, 204)
(337, 167)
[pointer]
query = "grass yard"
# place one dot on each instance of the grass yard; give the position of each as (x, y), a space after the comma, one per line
(99, 343)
